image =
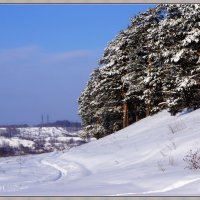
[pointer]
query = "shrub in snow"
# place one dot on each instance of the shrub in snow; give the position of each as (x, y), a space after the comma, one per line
(193, 159)
(9, 132)
(161, 166)
(6, 150)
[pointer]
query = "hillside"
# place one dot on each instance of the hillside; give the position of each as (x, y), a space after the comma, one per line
(145, 158)
(31, 140)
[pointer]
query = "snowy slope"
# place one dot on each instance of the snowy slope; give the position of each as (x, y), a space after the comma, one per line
(145, 158)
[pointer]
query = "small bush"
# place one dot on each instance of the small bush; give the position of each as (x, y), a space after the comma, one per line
(171, 160)
(161, 166)
(193, 159)
(6, 150)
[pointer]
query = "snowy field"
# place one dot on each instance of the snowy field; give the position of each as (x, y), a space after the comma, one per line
(145, 158)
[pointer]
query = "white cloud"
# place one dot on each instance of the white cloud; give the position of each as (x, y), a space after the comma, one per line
(35, 55)
(66, 56)
(17, 54)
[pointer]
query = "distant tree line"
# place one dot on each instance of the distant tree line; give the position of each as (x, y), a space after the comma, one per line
(15, 126)
(152, 65)
(61, 123)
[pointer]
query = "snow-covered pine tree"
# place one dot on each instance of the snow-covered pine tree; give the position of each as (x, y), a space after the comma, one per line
(103, 94)
(177, 38)
(111, 89)
(151, 65)
(143, 86)
(88, 106)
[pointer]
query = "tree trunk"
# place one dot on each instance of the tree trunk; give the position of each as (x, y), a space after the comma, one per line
(125, 115)
(147, 111)
(148, 105)
(136, 114)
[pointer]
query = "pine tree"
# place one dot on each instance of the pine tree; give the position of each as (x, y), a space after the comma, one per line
(178, 39)
(152, 65)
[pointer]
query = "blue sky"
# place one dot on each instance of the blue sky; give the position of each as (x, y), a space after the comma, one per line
(47, 53)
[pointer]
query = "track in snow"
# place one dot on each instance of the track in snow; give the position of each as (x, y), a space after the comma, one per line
(54, 173)
(173, 186)
(62, 172)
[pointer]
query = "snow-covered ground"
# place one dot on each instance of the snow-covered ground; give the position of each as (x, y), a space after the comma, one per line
(145, 158)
